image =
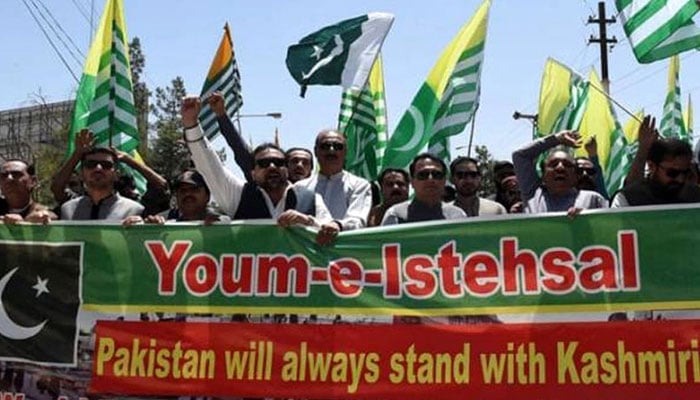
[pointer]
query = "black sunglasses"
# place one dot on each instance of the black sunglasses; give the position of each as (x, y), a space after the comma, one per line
(466, 174)
(429, 174)
(587, 171)
(674, 173)
(327, 146)
(266, 162)
(91, 164)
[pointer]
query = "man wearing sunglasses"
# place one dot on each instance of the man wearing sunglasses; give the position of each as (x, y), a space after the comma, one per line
(428, 177)
(17, 183)
(348, 197)
(98, 170)
(670, 166)
(466, 178)
(269, 193)
(557, 189)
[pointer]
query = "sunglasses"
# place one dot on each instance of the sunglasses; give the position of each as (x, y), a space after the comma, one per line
(328, 146)
(466, 174)
(587, 171)
(674, 173)
(14, 174)
(266, 162)
(92, 164)
(429, 174)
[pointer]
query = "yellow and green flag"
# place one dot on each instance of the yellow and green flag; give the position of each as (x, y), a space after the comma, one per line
(631, 128)
(448, 98)
(563, 98)
(363, 122)
(104, 102)
(672, 125)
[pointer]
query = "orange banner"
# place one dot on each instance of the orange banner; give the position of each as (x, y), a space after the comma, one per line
(602, 360)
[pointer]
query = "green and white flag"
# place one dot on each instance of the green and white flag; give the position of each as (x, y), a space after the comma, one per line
(363, 122)
(448, 98)
(104, 101)
(672, 125)
(688, 119)
(340, 54)
(658, 29)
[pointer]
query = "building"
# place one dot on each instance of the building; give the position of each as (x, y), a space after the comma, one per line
(24, 130)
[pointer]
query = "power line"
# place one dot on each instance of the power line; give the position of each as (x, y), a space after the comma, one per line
(63, 60)
(56, 34)
(70, 39)
(83, 12)
(656, 71)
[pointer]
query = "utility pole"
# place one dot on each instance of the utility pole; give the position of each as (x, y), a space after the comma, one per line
(603, 22)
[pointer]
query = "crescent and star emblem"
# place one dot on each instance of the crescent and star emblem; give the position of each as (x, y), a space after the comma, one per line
(8, 327)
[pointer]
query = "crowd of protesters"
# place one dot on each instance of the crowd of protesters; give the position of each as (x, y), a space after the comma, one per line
(283, 185)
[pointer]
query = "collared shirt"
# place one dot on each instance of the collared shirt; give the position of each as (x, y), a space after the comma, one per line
(226, 187)
(415, 211)
(348, 197)
(537, 198)
(114, 207)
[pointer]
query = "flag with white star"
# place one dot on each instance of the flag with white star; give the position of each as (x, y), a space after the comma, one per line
(39, 302)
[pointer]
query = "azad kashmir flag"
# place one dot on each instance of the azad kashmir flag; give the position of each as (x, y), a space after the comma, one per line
(672, 125)
(223, 77)
(104, 102)
(448, 98)
(340, 54)
(563, 98)
(600, 121)
(363, 122)
(660, 28)
(688, 119)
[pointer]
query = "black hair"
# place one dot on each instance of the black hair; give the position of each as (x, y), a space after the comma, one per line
(101, 150)
(422, 156)
(31, 170)
(293, 149)
(267, 146)
(387, 171)
(461, 160)
(669, 148)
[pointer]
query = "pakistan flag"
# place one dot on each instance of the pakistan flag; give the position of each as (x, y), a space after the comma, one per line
(340, 54)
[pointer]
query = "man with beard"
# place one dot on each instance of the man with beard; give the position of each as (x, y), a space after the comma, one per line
(466, 178)
(394, 186)
(556, 190)
(348, 197)
(269, 195)
(98, 170)
(428, 177)
(17, 182)
(669, 163)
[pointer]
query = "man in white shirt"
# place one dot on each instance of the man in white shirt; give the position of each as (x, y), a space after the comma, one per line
(348, 197)
(270, 195)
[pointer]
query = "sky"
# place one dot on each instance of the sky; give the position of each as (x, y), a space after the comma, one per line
(179, 38)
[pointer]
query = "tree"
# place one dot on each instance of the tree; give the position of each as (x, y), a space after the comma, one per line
(168, 154)
(486, 161)
(141, 93)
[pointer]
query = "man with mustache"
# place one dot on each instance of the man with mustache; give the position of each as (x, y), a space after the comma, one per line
(348, 197)
(268, 195)
(17, 183)
(394, 187)
(556, 190)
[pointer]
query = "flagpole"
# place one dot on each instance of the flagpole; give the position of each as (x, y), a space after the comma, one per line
(471, 134)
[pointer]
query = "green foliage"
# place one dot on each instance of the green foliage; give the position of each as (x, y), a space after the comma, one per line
(141, 93)
(167, 153)
(486, 161)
